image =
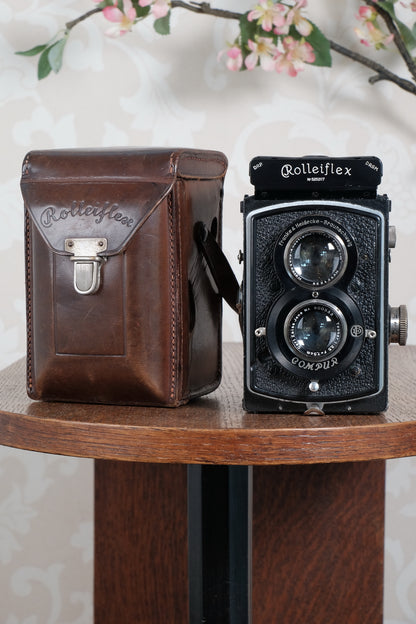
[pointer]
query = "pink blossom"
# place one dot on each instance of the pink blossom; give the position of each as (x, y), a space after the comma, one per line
(123, 20)
(373, 36)
(294, 56)
(263, 50)
(234, 60)
(268, 14)
(295, 17)
(159, 8)
(366, 13)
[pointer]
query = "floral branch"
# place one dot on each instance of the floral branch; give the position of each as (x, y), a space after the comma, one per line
(275, 35)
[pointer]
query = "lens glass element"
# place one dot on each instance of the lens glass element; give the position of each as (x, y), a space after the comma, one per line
(315, 330)
(316, 257)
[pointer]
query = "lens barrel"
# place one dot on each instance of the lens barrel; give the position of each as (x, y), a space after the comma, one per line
(315, 257)
(315, 330)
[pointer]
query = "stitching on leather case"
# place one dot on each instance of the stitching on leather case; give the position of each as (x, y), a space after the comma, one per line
(171, 164)
(29, 316)
(172, 297)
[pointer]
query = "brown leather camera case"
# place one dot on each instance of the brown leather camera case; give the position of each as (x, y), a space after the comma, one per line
(121, 307)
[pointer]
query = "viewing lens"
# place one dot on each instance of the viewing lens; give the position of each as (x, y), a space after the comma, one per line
(315, 330)
(316, 257)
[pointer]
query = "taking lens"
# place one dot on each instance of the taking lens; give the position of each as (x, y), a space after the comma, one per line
(315, 330)
(315, 257)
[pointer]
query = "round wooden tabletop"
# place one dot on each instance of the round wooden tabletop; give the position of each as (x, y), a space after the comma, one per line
(214, 429)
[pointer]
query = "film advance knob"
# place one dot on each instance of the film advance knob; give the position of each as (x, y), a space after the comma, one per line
(398, 325)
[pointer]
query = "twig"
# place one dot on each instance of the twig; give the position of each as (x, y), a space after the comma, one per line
(70, 25)
(206, 9)
(381, 72)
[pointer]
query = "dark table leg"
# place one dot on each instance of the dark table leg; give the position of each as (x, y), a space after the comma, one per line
(219, 544)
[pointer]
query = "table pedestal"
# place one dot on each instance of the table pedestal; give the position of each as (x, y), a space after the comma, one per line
(314, 550)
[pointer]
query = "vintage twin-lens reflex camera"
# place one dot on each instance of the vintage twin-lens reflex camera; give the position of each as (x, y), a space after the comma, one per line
(316, 318)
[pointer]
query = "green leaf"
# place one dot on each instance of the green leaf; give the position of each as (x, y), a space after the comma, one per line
(55, 54)
(33, 51)
(44, 66)
(407, 35)
(162, 25)
(142, 12)
(321, 47)
(248, 30)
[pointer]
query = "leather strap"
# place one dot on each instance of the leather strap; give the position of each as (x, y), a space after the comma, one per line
(219, 266)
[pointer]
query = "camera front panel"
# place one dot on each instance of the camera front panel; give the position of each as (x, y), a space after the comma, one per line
(315, 305)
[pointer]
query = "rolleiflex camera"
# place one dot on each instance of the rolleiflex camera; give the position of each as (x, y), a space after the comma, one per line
(316, 318)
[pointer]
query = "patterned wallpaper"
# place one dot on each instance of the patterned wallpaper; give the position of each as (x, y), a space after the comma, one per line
(149, 90)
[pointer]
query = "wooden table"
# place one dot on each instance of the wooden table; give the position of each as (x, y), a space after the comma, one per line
(205, 513)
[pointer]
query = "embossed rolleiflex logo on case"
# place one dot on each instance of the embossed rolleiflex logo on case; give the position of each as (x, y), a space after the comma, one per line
(99, 212)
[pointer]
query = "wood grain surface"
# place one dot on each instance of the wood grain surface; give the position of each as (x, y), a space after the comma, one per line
(141, 554)
(213, 429)
(318, 543)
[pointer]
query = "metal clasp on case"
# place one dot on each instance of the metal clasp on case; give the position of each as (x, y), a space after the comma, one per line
(87, 262)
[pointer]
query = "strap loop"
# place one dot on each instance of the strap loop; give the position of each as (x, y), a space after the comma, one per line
(219, 266)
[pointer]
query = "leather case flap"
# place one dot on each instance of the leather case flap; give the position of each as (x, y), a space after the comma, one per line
(105, 193)
(96, 210)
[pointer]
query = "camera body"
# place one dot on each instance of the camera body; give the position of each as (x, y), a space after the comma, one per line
(316, 318)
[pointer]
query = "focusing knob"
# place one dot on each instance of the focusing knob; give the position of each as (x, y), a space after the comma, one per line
(398, 325)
